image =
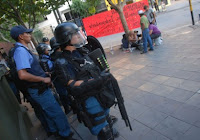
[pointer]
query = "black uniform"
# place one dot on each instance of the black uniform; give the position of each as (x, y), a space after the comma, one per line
(89, 98)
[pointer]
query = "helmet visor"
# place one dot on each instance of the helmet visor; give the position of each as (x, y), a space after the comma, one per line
(78, 40)
(48, 48)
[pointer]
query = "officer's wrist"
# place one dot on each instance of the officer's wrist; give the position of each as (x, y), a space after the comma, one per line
(42, 79)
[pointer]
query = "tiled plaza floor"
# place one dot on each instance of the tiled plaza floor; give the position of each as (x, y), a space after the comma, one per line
(160, 88)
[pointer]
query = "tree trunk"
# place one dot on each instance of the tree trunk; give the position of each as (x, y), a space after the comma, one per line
(119, 8)
(3, 37)
(123, 20)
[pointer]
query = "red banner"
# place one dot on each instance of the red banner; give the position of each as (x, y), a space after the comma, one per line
(107, 23)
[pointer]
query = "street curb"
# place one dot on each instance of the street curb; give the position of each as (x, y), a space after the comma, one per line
(168, 11)
(197, 24)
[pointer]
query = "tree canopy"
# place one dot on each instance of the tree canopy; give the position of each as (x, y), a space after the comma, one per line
(24, 12)
(85, 8)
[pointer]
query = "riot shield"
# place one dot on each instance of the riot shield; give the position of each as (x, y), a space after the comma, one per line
(94, 44)
(99, 59)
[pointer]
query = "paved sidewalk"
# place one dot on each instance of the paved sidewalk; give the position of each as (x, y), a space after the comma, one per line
(161, 91)
(179, 4)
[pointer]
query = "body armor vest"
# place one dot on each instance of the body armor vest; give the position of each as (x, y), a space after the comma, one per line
(85, 68)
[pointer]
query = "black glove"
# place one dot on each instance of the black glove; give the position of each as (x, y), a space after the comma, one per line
(105, 75)
(87, 87)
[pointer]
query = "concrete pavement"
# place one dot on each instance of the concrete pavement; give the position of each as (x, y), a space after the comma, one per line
(161, 91)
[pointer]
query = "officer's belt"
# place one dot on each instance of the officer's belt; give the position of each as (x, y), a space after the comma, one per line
(40, 86)
(37, 85)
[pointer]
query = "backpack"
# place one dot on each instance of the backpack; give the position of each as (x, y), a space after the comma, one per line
(13, 71)
(12, 65)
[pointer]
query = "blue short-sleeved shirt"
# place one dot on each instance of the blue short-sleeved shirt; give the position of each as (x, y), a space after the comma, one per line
(23, 59)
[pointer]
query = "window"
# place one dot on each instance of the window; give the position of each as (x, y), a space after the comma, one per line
(68, 16)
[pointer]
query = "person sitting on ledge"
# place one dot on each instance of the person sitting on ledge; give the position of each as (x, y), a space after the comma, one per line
(154, 32)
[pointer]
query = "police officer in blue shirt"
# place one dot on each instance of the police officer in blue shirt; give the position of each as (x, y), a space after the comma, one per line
(30, 71)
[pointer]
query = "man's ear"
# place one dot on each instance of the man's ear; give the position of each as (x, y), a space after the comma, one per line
(20, 37)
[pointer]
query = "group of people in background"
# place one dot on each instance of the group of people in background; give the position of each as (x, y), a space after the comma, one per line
(156, 4)
(150, 33)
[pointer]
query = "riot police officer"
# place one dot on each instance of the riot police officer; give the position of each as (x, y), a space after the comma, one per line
(56, 50)
(44, 54)
(84, 81)
(62, 91)
(36, 81)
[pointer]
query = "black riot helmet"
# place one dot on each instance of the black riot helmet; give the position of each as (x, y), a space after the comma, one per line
(68, 33)
(54, 45)
(42, 47)
(45, 39)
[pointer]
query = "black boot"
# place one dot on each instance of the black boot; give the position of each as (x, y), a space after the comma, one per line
(114, 119)
(115, 133)
(66, 138)
(105, 134)
(49, 134)
(111, 120)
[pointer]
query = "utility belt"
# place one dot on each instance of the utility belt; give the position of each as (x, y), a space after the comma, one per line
(40, 86)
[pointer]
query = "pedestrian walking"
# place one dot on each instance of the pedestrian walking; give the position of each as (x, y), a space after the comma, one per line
(155, 2)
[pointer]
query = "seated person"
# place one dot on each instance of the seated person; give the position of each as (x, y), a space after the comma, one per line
(132, 36)
(134, 40)
(125, 43)
(154, 32)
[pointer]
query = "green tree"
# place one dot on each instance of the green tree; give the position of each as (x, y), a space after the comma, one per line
(86, 8)
(5, 32)
(37, 33)
(92, 5)
(80, 8)
(25, 12)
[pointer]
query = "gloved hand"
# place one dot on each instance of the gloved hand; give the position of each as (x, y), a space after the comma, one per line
(105, 75)
(87, 87)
